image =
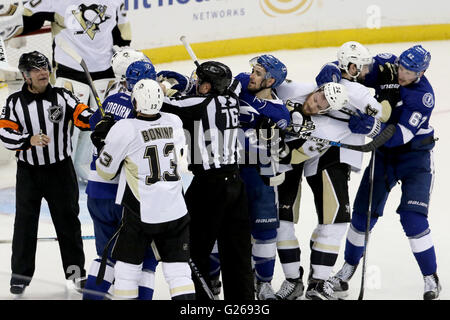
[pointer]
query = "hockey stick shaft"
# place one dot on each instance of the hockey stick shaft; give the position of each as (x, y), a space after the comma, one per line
(189, 50)
(384, 136)
(67, 48)
(202, 280)
(367, 231)
(51, 239)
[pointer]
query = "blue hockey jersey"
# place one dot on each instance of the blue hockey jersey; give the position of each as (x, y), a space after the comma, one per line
(412, 113)
(120, 106)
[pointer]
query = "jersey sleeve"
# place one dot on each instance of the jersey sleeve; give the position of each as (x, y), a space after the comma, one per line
(11, 133)
(117, 144)
(371, 79)
(295, 91)
(36, 13)
(80, 112)
(122, 31)
(187, 107)
(363, 100)
(415, 113)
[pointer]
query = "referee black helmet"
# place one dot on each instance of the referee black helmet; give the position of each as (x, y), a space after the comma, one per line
(33, 60)
(216, 73)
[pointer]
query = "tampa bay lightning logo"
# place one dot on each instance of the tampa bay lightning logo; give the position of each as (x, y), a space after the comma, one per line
(428, 100)
(385, 55)
(247, 114)
(55, 114)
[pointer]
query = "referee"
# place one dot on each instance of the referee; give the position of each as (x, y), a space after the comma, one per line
(37, 122)
(216, 198)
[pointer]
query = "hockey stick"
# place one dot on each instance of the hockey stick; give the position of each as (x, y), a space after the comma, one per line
(202, 280)
(367, 232)
(67, 48)
(51, 239)
(379, 140)
(189, 50)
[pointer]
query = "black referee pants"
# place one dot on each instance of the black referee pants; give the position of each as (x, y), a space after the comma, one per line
(217, 204)
(57, 184)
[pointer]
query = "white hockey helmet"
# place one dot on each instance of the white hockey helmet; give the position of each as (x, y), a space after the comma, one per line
(353, 52)
(122, 58)
(147, 96)
(336, 95)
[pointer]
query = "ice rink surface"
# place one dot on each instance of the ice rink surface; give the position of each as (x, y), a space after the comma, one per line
(392, 272)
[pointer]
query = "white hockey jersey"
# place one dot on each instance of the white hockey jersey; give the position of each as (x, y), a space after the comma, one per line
(330, 128)
(87, 25)
(148, 151)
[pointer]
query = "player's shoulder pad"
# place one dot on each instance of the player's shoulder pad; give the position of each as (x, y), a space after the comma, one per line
(356, 91)
(383, 58)
(419, 95)
(119, 97)
(63, 91)
(172, 117)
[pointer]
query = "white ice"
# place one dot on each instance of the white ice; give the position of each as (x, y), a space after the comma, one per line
(392, 270)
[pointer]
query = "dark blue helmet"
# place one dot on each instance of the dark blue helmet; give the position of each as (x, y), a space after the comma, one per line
(139, 70)
(416, 59)
(274, 68)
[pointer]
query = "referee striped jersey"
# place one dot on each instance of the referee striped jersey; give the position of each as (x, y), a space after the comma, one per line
(213, 123)
(54, 112)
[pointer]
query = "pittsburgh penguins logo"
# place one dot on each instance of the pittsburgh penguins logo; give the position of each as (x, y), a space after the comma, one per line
(90, 18)
(55, 114)
(371, 111)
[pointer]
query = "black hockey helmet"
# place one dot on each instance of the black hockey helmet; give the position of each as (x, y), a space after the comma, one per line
(33, 60)
(216, 73)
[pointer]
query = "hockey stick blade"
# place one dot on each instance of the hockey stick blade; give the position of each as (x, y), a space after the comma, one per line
(67, 48)
(189, 50)
(51, 239)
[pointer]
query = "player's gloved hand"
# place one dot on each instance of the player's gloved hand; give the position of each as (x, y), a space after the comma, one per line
(329, 73)
(390, 94)
(296, 121)
(364, 124)
(266, 128)
(388, 73)
(101, 131)
(173, 80)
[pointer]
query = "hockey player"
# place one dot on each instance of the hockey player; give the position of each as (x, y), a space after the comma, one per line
(92, 28)
(325, 169)
(101, 194)
(260, 109)
(216, 197)
(354, 61)
(406, 157)
(145, 150)
(120, 61)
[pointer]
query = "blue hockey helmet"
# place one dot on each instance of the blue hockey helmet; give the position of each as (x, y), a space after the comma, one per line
(139, 70)
(416, 59)
(274, 68)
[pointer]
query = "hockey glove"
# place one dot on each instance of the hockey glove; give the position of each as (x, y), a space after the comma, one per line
(329, 73)
(364, 124)
(388, 73)
(174, 80)
(101, 131)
